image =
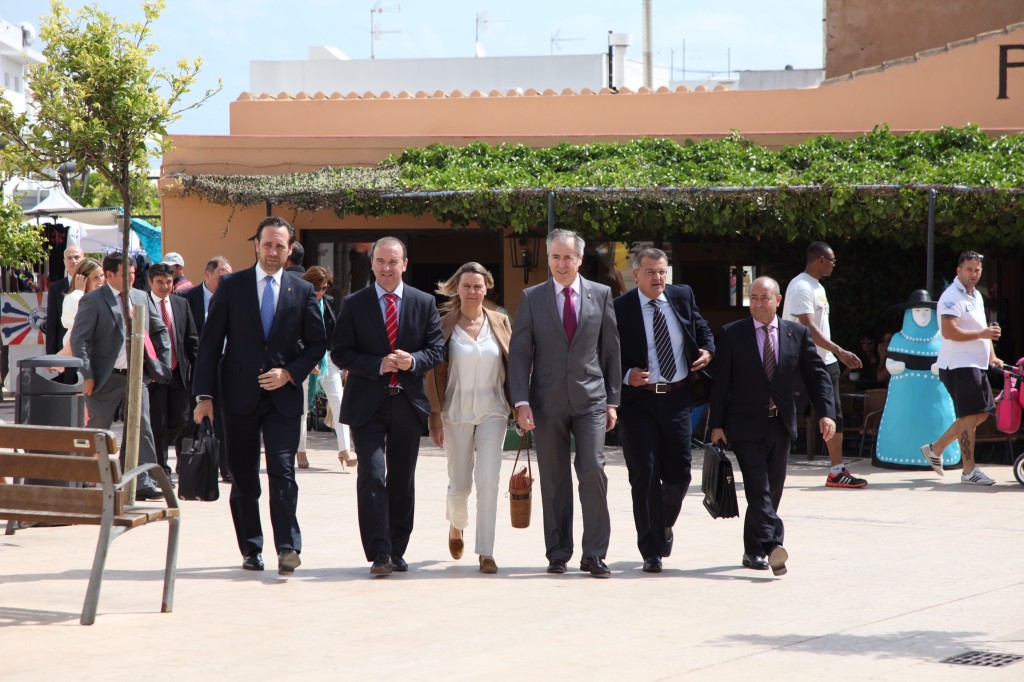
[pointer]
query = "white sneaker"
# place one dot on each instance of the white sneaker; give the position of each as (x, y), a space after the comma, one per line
(977, 477)
(934, 460)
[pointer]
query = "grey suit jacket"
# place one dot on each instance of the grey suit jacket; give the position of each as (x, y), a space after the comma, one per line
(556, 376)
(99, 332)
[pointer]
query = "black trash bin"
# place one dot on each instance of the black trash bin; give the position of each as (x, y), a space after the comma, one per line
(41, 401)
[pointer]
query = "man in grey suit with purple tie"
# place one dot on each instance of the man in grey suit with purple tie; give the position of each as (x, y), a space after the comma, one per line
(565, 380)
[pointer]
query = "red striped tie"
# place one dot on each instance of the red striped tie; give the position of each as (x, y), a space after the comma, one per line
(166, 314)
(391, 325)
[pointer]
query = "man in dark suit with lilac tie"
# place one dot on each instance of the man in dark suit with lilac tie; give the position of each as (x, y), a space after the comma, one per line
(753, 407)
(262, 338)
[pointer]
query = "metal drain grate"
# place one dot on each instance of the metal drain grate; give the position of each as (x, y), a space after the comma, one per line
(983, 659)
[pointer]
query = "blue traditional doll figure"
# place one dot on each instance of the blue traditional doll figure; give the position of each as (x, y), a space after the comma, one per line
(918, 408)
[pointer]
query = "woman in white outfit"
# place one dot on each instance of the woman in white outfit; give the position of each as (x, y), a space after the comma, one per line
(326, 374)
(469, 406)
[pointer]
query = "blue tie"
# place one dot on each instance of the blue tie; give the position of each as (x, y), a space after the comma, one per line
(267, 306)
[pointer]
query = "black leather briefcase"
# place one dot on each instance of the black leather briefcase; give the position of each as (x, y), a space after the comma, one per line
(198, 473)
(718, 484)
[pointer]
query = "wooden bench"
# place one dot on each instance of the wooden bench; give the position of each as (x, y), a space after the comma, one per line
(88, 456)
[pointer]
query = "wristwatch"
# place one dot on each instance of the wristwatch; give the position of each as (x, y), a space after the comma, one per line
(201, 398)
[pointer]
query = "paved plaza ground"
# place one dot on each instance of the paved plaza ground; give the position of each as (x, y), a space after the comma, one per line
(884, 583)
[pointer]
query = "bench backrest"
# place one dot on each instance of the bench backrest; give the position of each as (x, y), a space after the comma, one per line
(54, 453)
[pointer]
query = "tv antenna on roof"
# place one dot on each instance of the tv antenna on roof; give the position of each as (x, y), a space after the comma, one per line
(557, 40)
(375, 29)
(482, 24)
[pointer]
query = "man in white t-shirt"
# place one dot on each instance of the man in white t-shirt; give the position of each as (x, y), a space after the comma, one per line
(964, 357)
(807, 304)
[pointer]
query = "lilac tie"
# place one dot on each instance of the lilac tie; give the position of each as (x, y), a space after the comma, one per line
(569, 314)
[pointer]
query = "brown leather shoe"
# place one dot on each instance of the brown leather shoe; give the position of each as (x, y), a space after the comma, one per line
(455, 545)
(487, 565)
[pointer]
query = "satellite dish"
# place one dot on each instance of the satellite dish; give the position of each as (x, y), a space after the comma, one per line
(28, 33)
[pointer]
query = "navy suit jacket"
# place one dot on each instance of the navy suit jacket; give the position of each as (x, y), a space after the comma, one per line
(739, 400)
(361, 342)
(296, 343)
(633, 335)
(197, 304)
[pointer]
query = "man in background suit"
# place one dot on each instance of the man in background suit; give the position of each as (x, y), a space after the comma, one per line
(198, 299)
(385, 402)
(753, 407)
(169, 403)
(665, 342)
(99, 339)
(54, 330)
(263, 336)
(565, 379)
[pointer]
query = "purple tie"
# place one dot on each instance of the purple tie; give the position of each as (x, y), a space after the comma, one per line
(569, 314)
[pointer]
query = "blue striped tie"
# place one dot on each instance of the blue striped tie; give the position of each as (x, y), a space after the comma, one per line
(267, 306)
(663, 345)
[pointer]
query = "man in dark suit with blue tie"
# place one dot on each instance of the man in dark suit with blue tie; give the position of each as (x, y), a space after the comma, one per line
(262, 337)
(753, 407)
(664, 343)
(387, 337)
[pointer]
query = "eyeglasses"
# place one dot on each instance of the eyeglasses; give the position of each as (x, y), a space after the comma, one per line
(830, 258)
(323, 287)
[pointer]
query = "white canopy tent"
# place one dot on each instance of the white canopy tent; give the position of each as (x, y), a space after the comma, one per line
(96, 230)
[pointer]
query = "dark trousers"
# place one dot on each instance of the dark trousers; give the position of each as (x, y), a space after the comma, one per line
(387, 446)
(280, 441)
(655, 432)
(763, 465)
(168, 410)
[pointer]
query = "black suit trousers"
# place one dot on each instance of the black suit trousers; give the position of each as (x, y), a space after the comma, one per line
(388, 446)
(763, 465)
(168, 414)
(655, 432)
(280, 440)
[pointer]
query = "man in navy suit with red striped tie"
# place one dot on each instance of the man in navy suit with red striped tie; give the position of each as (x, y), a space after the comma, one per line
(387, 336)
(753, 407)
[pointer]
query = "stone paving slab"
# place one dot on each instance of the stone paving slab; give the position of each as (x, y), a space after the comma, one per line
(884, 583)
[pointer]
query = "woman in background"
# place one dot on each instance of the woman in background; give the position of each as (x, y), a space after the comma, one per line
(469, 406)
(326, 374)
(88, 277)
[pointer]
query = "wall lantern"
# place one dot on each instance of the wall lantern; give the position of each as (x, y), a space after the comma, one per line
(525, 249)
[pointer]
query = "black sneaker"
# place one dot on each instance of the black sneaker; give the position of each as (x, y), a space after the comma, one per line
(844, 479)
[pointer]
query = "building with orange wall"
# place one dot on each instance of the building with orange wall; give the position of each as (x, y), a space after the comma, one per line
(975, 81)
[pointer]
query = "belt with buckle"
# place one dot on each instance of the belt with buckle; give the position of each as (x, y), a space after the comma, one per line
(393, 390)
(664, 388)
(120, 371)
(773, 412)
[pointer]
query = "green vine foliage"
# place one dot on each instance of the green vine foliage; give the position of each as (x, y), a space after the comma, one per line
(873, 187)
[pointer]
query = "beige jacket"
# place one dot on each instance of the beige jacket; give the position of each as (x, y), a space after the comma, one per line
(437, 378)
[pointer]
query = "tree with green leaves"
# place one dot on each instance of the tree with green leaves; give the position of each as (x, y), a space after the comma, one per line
(98, 102)
(21, 243)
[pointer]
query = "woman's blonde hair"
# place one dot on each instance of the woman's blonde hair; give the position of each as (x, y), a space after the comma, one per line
(85, 268)
(450, 286)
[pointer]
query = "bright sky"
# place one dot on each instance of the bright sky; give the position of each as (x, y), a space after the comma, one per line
(227, 34)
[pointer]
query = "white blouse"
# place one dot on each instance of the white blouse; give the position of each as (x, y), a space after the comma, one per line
(69, 309)
(476, 378)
